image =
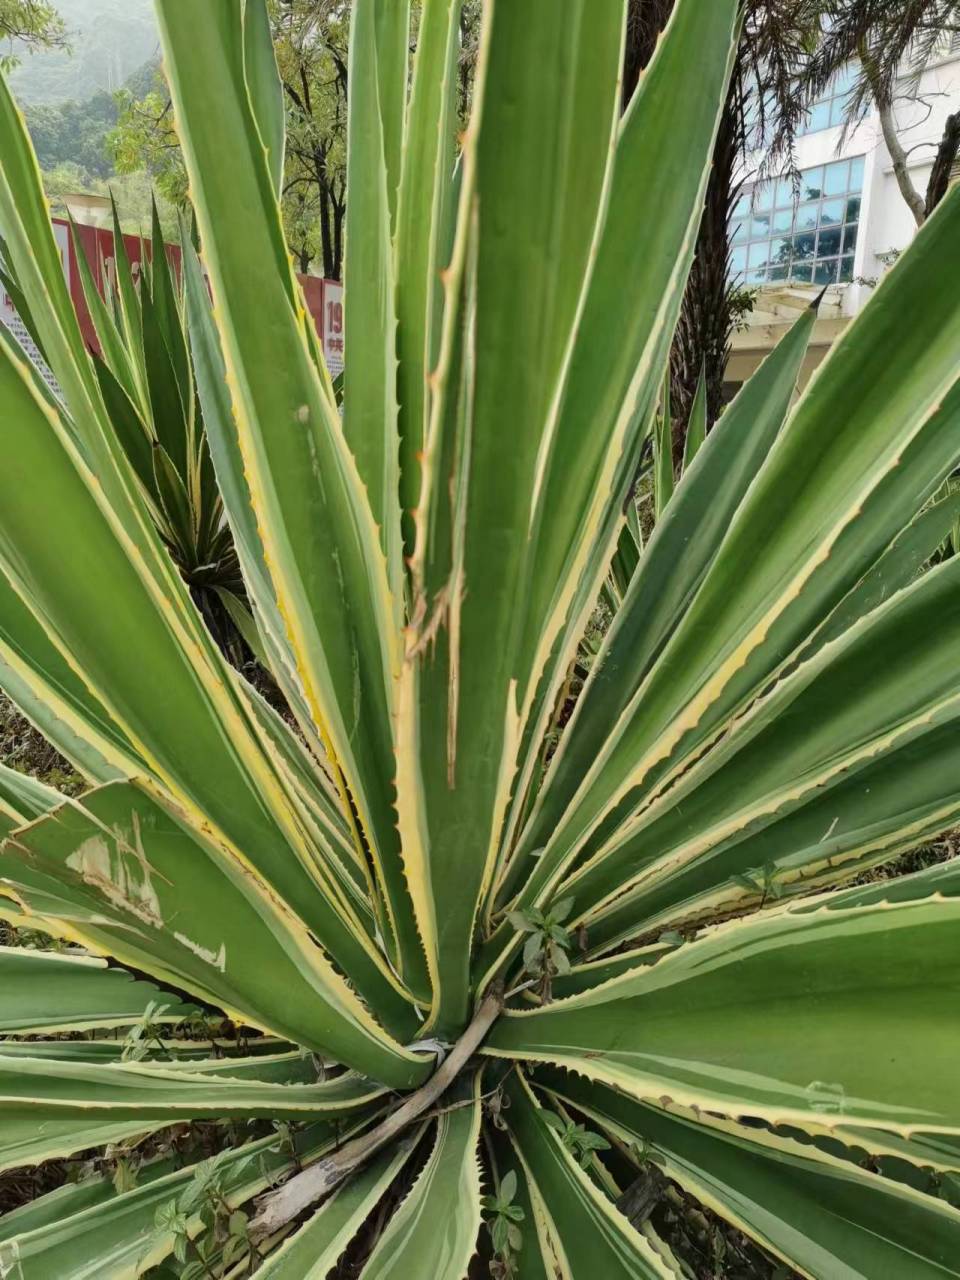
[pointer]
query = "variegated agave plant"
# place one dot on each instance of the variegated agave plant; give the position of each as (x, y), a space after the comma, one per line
(410, 885)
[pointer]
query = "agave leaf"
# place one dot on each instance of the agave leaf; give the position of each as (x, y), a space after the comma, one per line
(578, 1228)
(320, 539)
(434, 1232)
(663, 481)
(56, 1108)
(697, 424)
(188, 719)
(899, 565)
(805, 1019)
(23, 798)
(526, 305)
(370, 372)
(425, 200)
(885, 684)
(117, 1235)
(848, 495)
(611, 379)
(42, 992)
(681, 550)
(37, 677)
(314, 1250)
(822, 1215)
(110, 873)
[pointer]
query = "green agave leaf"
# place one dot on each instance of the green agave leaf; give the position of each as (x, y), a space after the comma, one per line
(682, 548)
(887, 682)
(426, 199)
(578, 1228)
(114, 352)
(39, 681)
(392, 32)
(134, 432)
(169, 1053)
(460, 712)
(593, 973)
(899, 565)
(313, 1251)
(109, 1235)
(611, 379)
(228, 464)
(320, 538)
(370, 372)
(59, 1107)
(167, 310)
(848, 490)
(663, 481)
(20, 304)
(697, 424)
(44, 991)
(188, 720)
(168, 410)
(434, 1232)
(113, 874)
(793, 1018)
(23, 798)
(826, 840)
(823, 1216)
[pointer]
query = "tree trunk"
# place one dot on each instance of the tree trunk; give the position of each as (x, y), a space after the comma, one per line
(701, 344)
(946, 158)
(646, 19)
(899, 157)
(326, 232)
(702, 340)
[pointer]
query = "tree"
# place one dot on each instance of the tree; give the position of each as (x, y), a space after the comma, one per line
(891, 39)
(310, 41)
(74, 133)
(765, 100)
(29, 24)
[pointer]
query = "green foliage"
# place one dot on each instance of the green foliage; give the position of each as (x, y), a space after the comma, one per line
(578, 1140)
(546, 949)
(74, 133)
(29, 25)
(503, 1218)
(99, 44)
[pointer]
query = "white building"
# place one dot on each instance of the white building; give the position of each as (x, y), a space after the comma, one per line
(850, 222)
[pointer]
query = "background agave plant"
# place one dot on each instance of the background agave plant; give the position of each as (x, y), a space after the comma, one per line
(149, 391)
(413, 916)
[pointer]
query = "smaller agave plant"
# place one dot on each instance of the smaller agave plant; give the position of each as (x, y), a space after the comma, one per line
(425, 979)
(148, 384)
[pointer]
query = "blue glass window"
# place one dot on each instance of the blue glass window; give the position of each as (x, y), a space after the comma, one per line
(829, 109)
(811, 240)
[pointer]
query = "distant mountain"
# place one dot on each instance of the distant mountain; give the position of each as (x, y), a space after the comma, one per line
(110, 40)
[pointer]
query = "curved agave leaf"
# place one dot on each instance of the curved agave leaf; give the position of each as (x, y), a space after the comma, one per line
(111, 874)
(776, 1190)
(23, 798)
(56, 1108)
(683, 546)
(46, 991)
(848, 497)
(314, 1250)
(434, 1232)
(578, 1229)
(118, 1235)
(806, 1018)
